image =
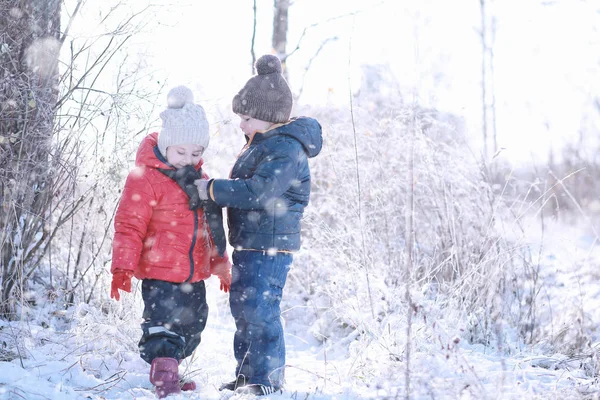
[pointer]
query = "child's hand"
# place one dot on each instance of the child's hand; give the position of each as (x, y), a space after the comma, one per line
(202, 185)
(225, 286)
(225, 279)
(121, 280)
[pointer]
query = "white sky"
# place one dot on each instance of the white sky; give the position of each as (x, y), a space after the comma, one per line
(547, 57)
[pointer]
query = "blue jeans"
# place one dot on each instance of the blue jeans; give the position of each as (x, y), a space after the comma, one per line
(256, 288)
(174, 318)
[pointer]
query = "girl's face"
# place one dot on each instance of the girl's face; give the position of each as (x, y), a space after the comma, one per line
(250, 125)
(184, 154)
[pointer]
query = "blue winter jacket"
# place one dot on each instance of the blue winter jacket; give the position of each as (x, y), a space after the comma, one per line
(269, 187)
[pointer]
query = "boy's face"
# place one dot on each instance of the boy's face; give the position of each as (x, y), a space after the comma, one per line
(184, 154)
(250, 125)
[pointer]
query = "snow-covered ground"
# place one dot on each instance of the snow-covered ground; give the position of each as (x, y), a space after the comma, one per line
(91, 352)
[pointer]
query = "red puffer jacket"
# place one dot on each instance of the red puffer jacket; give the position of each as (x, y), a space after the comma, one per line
(156, 234)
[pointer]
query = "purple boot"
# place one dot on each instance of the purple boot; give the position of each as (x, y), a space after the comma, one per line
(165, 376)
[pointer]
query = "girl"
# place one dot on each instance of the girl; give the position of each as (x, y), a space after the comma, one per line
(169, 240)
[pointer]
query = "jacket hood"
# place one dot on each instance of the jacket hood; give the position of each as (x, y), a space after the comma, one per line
(148, 154)
(305, 130)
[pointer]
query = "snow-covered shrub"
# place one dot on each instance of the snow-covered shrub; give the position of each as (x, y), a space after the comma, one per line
(354, 260)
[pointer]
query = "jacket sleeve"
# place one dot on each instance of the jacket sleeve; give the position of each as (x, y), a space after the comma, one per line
(131, 221)
(273, 176)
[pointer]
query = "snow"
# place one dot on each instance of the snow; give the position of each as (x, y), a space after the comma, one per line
(97, 356)
(90, 352)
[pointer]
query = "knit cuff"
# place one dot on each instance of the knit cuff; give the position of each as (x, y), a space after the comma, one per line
(211, 194)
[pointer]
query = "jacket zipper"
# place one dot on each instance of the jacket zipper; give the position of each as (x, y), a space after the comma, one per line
(191, 252)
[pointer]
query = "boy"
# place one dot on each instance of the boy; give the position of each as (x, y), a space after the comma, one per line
(266, 194)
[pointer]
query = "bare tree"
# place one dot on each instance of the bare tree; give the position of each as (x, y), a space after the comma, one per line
(280, 30)
(493, 84)
(488, 94)
(484, 127)
(279, 38)
(29, 47)
(316, 53)
(100, 117)
(47, 127)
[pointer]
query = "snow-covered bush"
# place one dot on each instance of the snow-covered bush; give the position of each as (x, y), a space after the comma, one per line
(353, 271)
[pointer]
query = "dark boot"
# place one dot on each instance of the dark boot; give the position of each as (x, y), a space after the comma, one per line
(165, 376)
(258, 390)
(233, 385)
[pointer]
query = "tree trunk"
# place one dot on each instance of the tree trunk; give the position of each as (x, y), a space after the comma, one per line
(493, 85)
(29, 47)
(488, 90)
(484, 126)
(280, 29)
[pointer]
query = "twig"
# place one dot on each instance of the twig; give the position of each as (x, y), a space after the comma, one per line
(252, 53)
(356, 160)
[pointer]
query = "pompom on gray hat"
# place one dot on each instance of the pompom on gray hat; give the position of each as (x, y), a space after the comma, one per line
(266, 96)
(183, 122)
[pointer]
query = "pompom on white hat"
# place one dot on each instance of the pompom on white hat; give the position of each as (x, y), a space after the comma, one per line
(183, 122)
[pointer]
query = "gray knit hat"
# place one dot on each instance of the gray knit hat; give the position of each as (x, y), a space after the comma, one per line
(183, 122)
(266, 96)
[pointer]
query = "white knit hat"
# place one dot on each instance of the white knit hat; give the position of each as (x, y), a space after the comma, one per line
(183, 122)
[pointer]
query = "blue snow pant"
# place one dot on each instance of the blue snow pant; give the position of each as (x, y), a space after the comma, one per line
(256, 289)
(174, 318)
